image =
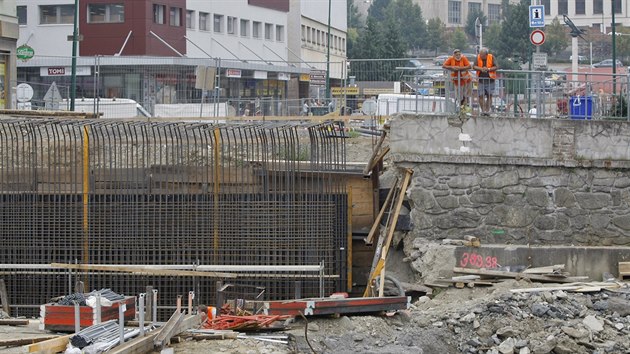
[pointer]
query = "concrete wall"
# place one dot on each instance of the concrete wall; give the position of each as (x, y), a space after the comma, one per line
(519, 181)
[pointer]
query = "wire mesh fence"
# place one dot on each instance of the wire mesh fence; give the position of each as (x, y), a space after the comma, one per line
(138, 193)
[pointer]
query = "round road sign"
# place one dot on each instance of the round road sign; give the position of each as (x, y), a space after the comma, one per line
(23, 92)
(537, 37)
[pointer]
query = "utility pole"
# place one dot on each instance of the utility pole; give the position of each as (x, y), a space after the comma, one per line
(614, 49)
(328, 55)
(75, 35)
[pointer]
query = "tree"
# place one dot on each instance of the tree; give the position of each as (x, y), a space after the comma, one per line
(459, 40)
(435, 35)
(409, 17)
(370, 41)
(513, 38)
(394, 46)
(556, 38)
(377, 9)
(471, 31)
(354, 18)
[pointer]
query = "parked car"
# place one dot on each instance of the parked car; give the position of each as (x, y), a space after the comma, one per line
(439, 60)
(607, 63)
(581, 58)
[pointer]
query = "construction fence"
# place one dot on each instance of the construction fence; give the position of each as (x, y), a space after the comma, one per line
(186, 195)
(124, 87)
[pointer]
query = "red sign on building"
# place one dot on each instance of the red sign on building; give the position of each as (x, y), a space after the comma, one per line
(57, 71)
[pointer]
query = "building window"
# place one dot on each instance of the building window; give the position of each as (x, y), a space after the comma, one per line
(474, 7)
(256, 29)
(244, 28)
(617, 4)
(190, 19)
(343, 45)
(106, 13)
(159, 14)
(21, 15)
(268, 31)
(175, 16)
(598, 7)
(279, 33)
(218, 23)
(231, 25)
(303, 33)
(454, 11)
(563, 7)
(580, 7)
(56, 14)
(204, 21)
(494, 13)
(547, 5)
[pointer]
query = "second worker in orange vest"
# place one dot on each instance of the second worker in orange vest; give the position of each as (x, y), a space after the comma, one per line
(487, 74)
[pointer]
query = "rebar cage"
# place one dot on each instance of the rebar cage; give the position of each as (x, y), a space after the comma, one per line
(169, 193)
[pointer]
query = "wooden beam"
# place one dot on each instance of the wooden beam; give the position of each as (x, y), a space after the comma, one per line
(145, 344)
(13, 322)
(377, 149)
(502, 274)
(23, 341)
(543, 270)
(370, 237)
(55, 345)
(168, 330)
(143, 270)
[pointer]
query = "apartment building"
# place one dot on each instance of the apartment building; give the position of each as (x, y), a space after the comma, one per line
(588, 13)
(258, 44)
(8, 39)
(454, 13)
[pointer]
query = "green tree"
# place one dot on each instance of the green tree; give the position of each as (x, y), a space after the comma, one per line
(409, 17)
(377, 9)
(435, 35)
(472, 19)
(354, 24)
(556, 39)
(394, 46)
(622, 44)
(459, 40)
(370, 41)
(514, 35)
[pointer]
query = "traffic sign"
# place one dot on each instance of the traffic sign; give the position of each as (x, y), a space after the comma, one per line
(537, 16)
(539, 60)
(537, 37)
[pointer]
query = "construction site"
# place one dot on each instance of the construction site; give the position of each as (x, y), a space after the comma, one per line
(433, 234)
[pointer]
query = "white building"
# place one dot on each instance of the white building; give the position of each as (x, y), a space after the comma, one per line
(8, 37)
(588, 13)
(454, 13)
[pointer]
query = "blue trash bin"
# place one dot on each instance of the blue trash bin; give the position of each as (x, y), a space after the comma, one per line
(581, 107)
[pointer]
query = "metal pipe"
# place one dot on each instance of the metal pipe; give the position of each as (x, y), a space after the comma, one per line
(77, 317)
(155, 298)
(141, 314)
(121, 321)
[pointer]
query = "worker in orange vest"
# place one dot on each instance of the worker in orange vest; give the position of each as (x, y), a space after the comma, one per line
(459, 65)
(487, 74)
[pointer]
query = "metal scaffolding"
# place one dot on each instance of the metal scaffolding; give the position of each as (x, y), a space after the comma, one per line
(166, 193)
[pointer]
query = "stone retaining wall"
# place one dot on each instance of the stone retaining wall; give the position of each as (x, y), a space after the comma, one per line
(520, 181)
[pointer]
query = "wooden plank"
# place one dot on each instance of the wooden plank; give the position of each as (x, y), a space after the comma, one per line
(370, 164)
(168, 330)
(13, 322)
(370, 237)
(24, 341)
(4, 298)
(624, 269)
(546, 269)
(143, 345)
(503, 274)
(55, 345)
(143, 270)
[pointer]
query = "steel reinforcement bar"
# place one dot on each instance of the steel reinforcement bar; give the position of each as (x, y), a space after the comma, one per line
(147, 193)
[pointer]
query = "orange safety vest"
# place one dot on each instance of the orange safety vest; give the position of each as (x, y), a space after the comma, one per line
(489, 64)
(463, 75)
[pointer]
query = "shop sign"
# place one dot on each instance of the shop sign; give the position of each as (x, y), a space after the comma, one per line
(64, 71)
(260, 75)
(338, 91)
(318, 77)
(376, 91)
(25, 52)
(284, 76)
(305, 77)
(233, 73)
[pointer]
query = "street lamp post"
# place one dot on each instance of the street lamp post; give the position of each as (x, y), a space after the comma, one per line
(75, 35)
(328, 56)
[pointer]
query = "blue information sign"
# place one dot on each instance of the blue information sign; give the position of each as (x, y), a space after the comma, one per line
(537, 16)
